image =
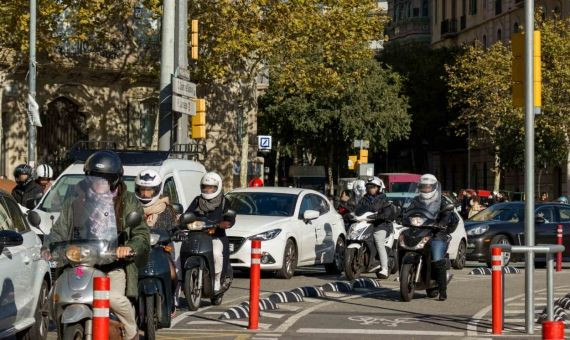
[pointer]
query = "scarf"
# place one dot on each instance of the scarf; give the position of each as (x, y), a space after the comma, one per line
(205, 206)
(152, 212)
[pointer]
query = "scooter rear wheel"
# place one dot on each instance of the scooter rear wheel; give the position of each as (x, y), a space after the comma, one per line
(191, 291)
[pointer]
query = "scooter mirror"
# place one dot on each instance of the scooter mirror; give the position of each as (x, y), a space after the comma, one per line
(178, 209)
(187, 218)
(133, 219)
(34, 218)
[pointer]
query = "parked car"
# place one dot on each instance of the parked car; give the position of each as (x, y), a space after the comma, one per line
(25, 276)
(181, 180)
(503, 223)
(298, 227)
(458, 245)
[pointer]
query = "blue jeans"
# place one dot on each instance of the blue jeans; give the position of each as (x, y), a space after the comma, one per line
(438, 249)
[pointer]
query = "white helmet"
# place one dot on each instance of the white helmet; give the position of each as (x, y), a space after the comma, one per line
(148, 179)
(377, 182)
(211, 179)
(427, 186)
(44, 171)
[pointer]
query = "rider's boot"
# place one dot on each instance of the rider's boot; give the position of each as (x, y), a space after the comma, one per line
(440, 275)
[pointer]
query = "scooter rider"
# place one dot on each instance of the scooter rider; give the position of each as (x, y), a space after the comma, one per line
(375, 201)
(105, 184)
(44, 175)
(26, 190)
(430, 199)
(211, 205)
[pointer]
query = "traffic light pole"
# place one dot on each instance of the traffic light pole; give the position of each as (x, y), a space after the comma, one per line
(166, 71)
(529, 164)
(181, 61)
(32, 83)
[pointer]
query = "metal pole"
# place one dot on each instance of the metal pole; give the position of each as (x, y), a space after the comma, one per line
(469, 156)
(529, 164)
(181, 60)
(549, 287)
(166, 71)
(32, 83)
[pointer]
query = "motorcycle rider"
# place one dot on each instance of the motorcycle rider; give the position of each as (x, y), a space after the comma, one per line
(105, 184)
(44, 175)
(375, 201)
(211, 206)
(430, 199)
(27, 190)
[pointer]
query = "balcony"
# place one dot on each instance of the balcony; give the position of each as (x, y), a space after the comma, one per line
(448, 28)
(463, 22)
(410, 26)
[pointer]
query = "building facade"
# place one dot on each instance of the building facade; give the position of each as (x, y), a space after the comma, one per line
(409, 22)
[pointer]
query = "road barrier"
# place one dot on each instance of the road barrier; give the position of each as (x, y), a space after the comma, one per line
(254, 278)
(101, 287)
(559, 234)
(552, 330)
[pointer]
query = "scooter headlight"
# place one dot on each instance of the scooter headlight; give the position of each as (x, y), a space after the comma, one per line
(154, 239)
(417, 221)
(358, 232)
(77, 254)
(419, 245)
(196, 225)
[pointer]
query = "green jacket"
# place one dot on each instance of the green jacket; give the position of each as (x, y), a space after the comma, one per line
(138, 238)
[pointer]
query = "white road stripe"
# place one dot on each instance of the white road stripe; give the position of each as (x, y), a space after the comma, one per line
(522, 304)
(272, 315)
(233, 322)
(377, 332)
(289, 307)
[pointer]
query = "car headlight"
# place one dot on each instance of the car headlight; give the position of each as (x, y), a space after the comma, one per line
(478, 230)
(154, 239)
(267, 235)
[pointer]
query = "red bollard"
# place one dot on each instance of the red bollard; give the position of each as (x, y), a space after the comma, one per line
(254, 284)
(553, 330)
(497, 286)
(101, 287)
(559, 255)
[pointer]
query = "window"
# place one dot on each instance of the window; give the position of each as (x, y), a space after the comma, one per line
(473, 7)
(499, 35)
(463, 7)
(170, 190)
(425, 8)
(547, 213)
(435, 11)
(321, 204)
(141, 122)
(516, 27)
(453, 9)
(306, 204)
(6, 222)
(498, 7)
(443, 9)
(17, 218)
(262, 203)
(484, 41)
(564, 214)
(416, 12)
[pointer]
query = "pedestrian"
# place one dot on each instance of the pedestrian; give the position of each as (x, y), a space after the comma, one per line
(465, 203)
(475, 206)
(27, 192)
(543, 197)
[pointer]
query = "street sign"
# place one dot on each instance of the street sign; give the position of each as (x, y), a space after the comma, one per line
(366, 169)
(34, 111)
(183, 87)
(264, 142)
(183, 73)
(361, 144)
(183, 105)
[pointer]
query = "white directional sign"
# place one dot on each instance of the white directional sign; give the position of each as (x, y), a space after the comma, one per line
(34, 111)
(183, 87)
(361, 144)
(183, 105)
(264, 142)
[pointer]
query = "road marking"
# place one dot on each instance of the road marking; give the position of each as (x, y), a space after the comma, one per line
(289, 308)
(233, 322)
(518, 304)
(272, 315)
(377, 332)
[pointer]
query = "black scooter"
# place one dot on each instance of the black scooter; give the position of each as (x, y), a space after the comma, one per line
(197, 255)
(156, 284)
(414, 247)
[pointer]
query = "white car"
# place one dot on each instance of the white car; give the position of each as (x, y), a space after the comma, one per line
(24, 275)
(298, 227)
(181, 181)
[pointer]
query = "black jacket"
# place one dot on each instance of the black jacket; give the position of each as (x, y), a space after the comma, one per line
(380, 205)
(215, 216)
(25, 195)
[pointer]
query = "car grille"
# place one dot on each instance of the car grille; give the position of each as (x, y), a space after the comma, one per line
(235, 243)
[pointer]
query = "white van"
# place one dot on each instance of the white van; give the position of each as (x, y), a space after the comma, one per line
(181, 181)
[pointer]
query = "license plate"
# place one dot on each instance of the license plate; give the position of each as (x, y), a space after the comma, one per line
(232, 247)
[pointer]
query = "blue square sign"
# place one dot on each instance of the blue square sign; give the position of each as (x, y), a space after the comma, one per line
(264, 142)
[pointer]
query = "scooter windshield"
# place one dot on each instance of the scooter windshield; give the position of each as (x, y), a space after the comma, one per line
(93, 226)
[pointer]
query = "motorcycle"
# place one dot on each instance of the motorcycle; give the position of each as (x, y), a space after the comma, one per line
(80, 260)
(197, 256)
(157, 284)
(361, 255)
(416, 270)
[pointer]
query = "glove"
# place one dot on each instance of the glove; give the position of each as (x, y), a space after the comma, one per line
(225, 225)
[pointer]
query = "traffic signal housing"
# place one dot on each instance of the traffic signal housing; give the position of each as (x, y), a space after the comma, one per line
(199, 120)
(518, 68)
(363, 156)
(194, 40)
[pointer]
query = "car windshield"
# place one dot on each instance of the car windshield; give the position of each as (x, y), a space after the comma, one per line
(499, 213)
(63, 188)
(262, 203)
(404, 187)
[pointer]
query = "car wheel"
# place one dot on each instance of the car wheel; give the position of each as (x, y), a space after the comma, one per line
(459, 261)
(289, 261)
(500, 239)
(40, 328)
(335, 267)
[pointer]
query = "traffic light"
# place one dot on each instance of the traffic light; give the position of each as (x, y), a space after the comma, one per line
(518, 69)
(194, 40)
(363, 157)
(352, 160)
(199, 120)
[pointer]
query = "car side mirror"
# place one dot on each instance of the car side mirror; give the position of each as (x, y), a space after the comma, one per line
(178, 209)
(310, 215)
(539, 219)
(10, 238)
(133, 219)
(230, 215)
(34, 218)
(187, 218)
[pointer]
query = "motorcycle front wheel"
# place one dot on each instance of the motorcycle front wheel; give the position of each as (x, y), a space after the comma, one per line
(352, 267)
(191, 291)
(407, 284)
(150, 319)
(74, 331)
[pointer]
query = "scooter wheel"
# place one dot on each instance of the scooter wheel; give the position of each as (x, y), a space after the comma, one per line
(191, 291)
(407, 284)
(217, 300)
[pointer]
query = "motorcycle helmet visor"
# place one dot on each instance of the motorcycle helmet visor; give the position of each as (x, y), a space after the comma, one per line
(426, 188)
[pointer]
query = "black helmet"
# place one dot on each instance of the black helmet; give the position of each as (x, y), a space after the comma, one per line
(23, 169)
(106, 164)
